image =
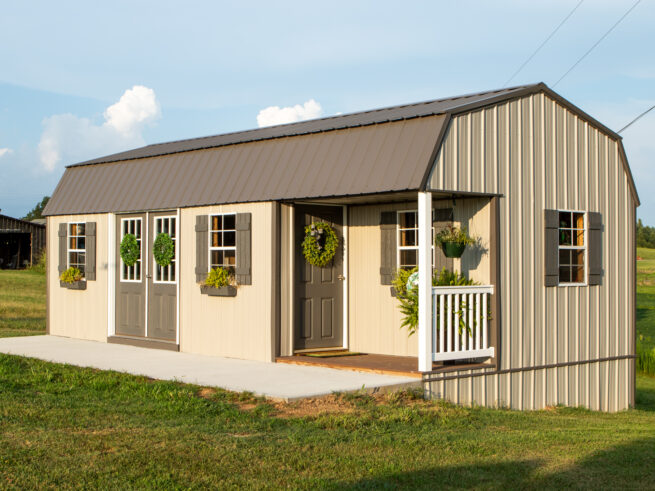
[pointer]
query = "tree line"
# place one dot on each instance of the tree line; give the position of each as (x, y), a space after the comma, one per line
(645, 235)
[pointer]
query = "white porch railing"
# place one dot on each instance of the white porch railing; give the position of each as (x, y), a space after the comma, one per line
(460, 327)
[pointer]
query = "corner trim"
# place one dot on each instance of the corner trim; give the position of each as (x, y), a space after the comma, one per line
(435, 152)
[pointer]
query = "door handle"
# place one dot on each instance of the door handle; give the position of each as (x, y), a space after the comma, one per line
(341, 277)
(149, 276)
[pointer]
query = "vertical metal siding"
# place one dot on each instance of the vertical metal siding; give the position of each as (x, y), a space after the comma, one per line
(540, 155)
(239, 327)
(71, 313)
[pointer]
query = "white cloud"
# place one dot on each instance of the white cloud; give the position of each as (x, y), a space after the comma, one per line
(273, 115)
(5, 151)
(136, 107)
(71, 138)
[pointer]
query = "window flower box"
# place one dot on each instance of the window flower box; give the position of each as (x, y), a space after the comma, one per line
(222, 291)
(75, 285)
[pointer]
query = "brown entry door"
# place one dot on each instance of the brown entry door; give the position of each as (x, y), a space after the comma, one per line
(318, 291)
(162, 281)
(146, 287)
(130, 280)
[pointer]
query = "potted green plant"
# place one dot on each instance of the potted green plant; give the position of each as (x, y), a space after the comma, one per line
(453, 240)
(404, 283)
(219, 283)
(72, 279)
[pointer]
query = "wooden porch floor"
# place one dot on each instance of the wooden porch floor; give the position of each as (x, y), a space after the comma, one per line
(384, 364)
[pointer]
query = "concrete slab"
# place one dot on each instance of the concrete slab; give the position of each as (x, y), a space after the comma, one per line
(274, 380)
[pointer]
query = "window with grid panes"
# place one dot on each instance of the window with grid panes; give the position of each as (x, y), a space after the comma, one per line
(223, 242)
(572, 247)
(77, 246)
(166, 225)
(408, 240)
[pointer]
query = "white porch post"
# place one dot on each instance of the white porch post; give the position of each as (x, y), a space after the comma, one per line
(424, 282)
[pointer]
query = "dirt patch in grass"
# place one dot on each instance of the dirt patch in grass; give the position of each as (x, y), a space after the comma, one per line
(312, 407)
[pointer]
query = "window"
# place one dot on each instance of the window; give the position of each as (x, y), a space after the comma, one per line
(166, 225)
(77, 246)
(132, 226)
(223, 242)
(408, 240)
(572, 247)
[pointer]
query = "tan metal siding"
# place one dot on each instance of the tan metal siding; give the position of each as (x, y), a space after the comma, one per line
(378, 158)
(538, 155)
(235, 327)
(374, 317)
(483, 390)
(71, 313)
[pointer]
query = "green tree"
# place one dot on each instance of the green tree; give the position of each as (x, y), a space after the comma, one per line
(37, 211)
(645, 235)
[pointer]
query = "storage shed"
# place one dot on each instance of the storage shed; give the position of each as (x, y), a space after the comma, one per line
(21, 242)
(545, 188)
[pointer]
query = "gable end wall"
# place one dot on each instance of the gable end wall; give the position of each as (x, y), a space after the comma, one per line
(538, 154)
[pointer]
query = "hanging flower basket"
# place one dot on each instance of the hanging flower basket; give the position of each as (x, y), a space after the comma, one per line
(320, 244)
(453, 249)
(130, 250)
(453, 241)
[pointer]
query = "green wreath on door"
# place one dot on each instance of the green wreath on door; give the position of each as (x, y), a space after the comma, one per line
(320, 244)
(163, 249)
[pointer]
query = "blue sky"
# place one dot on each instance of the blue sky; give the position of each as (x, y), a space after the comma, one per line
(68, 70)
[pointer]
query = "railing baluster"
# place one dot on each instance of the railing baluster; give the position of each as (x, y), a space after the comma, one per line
(456, 333)
(469, 331)
(434, 321)
(450, 323)
(477, 321)
(485, 342)
(442, 323)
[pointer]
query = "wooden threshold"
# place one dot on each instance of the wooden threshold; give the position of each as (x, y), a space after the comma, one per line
(144, 343)
(319, 350)
(406, 366)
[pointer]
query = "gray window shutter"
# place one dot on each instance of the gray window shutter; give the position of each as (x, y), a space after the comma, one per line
(388, 266)
(551, 243)
(63, 247)
(243, 272)
(90, 266)
(595, 247)
(442, 218)
(202, 247)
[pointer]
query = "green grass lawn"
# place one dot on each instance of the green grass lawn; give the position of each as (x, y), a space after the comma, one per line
(646, 296)
(71, 427)
(22, 303)
(64, 427)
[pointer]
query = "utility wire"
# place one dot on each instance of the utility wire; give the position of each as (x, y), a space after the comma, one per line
(636, 119)
(542, 44)
(597, 42)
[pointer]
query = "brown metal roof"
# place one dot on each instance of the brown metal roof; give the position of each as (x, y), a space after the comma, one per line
(384, 150)
(365, 118)
(371, 159)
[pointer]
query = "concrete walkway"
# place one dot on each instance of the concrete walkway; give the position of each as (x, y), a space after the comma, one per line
(274, 380)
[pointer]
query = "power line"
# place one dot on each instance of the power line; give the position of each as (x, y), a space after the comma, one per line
(597, 42)
(542, 44)
(636, 119)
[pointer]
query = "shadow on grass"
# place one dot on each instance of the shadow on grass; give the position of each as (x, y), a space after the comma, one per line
(624, 466)
(645, 393)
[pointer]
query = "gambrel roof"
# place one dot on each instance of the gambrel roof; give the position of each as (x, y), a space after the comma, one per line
(379, 151)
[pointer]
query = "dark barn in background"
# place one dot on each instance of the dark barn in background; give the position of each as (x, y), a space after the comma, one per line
(21, 242)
